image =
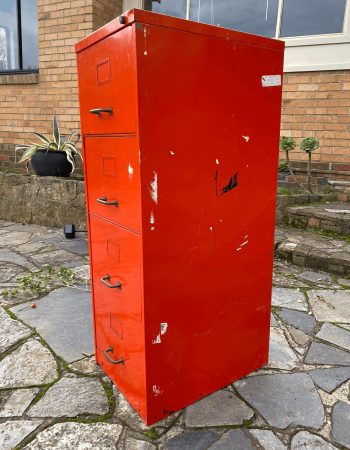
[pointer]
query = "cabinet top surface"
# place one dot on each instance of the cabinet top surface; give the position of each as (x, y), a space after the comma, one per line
(151, 18)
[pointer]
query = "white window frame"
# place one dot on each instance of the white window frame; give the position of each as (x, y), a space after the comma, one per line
(303, 53)
(315, 39)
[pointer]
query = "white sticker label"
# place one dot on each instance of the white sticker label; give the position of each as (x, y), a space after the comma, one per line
(271, 80)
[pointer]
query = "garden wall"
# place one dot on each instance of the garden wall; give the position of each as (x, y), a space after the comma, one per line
(48, 201)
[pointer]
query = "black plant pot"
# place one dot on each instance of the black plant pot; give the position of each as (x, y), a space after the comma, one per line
(51, 163)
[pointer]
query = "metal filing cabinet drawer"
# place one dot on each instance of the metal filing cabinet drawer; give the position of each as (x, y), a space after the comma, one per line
(113, 179)
(107, 84)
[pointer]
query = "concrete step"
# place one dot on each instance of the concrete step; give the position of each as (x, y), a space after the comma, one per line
(308, 249)
(327, 216)
(341, 189)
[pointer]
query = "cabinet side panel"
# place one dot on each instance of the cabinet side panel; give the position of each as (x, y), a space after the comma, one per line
(209, 133)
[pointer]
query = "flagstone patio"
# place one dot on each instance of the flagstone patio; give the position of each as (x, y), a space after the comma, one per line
(53, 396)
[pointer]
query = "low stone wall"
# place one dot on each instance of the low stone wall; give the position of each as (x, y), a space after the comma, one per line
(49, 201)
(54, 201)
(283, 201)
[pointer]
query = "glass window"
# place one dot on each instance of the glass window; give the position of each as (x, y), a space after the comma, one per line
(29, 21)
(297, 17)
(18, 35)
(305, 18)
(251, 16)
(169, 7)
(9, 55)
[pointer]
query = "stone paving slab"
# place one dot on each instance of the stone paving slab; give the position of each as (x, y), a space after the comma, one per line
(292, 298)
(307, 441)
(321, 354)
(330, 305)
(330, 378)
(11, 331)
(219, 409)
(13, 432)
(76, 245)
(72, 397)
(281, 356)
(340, 421)
(17, 402)
(64, 319)
(55, 258)
(70, 435)
(298, 319)
(335, 335)
(30, 365)
(198, 440)
(9, 256)
(235, 439)
(284, 400)
(268, 440)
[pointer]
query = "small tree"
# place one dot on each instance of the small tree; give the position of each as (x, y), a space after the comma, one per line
(288, 144)
(309, 145)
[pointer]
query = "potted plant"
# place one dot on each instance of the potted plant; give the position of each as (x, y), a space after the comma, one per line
(52, 157)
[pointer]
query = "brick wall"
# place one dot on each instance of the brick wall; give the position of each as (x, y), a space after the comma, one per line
(314, 104)
(29, 101)
(318, 104)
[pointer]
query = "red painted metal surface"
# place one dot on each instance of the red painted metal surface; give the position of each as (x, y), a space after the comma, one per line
(192, 160)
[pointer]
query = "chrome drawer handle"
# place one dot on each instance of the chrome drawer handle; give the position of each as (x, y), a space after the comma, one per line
(112, 361)
(99, 111)
(104, 201)
(112, 286)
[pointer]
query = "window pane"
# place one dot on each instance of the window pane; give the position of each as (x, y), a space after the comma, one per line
(8, 35)
(251, 16)
(304, 18)
(170, 7)
(29, 34)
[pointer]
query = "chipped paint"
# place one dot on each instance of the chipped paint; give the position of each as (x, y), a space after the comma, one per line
(156, 390)
(231, 184)
(217, 161)
(211, 228)
(130, 169)
(163, 330)
(172, 153)
(154, 187)
(245, 242)
(152, 220)
(145, 53)
(157, 340)
(246, 138)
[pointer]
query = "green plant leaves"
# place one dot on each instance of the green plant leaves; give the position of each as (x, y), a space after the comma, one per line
(42, 137)
(59, 143)
(56, 132)
(287, 143)
(42, 280)
(310, 144)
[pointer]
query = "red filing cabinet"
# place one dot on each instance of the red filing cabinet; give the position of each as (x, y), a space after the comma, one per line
(181, 128)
